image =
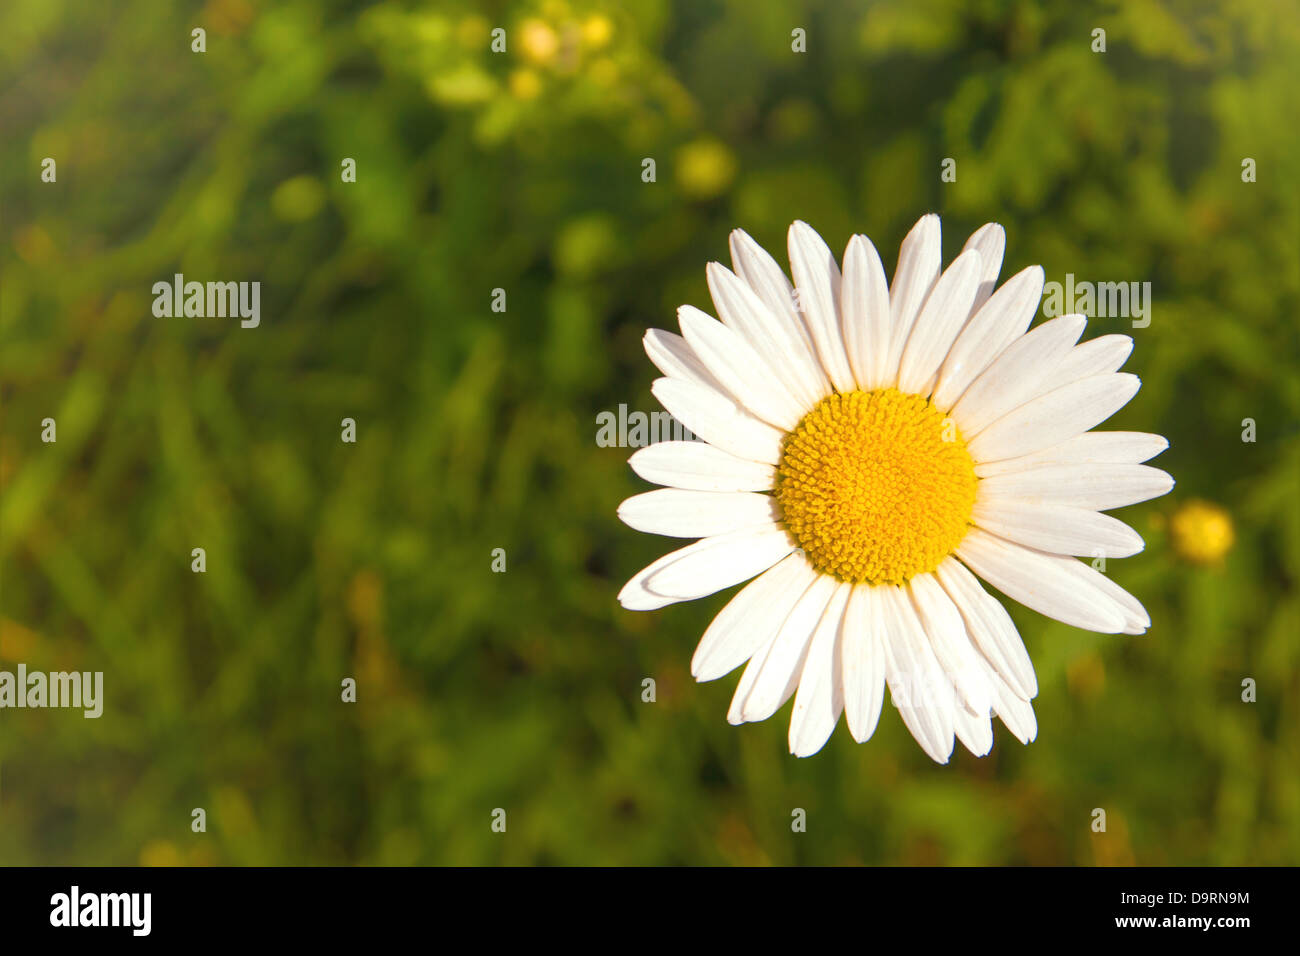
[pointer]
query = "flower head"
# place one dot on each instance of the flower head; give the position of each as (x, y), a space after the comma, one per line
(869, 450)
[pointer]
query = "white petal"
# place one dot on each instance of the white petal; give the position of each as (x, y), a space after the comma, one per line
(817, 277)
(1001, 321)
(1094, 357)
(749, 677)
(740, 369)
(862, 661)
(712, 564)
(1016, 713)
(727, 559)
(697, 514)
(751, 618)
(919, 260)
(1040, 582)
(1058, 529)
(990, 240)
(1014, 710)
(718, 420)
(1090, 448)
(781, 340)
(699, 466)
(974, 731)
(946, 310)
(1060, 414)
(820, 699)
(1095, 486)
(672, 356)
(635, 596)
(866, 317)
(946, 629)
(1017, 374)
(990, 628)
(778, 664)
(1105, 353)
(917, 684)
(1136, 619)
(1119, 448)
(768, 281)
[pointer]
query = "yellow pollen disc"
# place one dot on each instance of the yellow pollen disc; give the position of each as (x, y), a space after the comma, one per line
(876, 486)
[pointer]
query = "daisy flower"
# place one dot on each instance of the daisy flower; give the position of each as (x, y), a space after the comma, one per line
(870, 451)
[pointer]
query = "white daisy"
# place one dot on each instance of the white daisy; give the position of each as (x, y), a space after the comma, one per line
(868, 450)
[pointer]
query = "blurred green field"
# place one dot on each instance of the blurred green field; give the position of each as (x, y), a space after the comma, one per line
(476, 429)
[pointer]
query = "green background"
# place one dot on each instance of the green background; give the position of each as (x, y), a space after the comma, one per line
(476, 429)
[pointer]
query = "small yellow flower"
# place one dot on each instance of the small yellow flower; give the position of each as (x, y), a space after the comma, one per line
(298, 199)
(596, 31)
(540, 43)
(1202, 532)
(525, 84)
(705, 168)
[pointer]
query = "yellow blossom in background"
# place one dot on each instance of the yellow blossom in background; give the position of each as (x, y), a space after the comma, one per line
(596, 31)
(1202, 532)
(705, 168)
(539, 42)
(298, 199)
(525, 84)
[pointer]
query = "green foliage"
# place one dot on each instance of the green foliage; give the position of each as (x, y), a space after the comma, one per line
(475, 429)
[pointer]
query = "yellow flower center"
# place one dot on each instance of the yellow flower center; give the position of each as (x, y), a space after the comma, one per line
(876, 486)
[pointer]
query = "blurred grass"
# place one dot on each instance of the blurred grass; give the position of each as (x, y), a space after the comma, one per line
(522, 171)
